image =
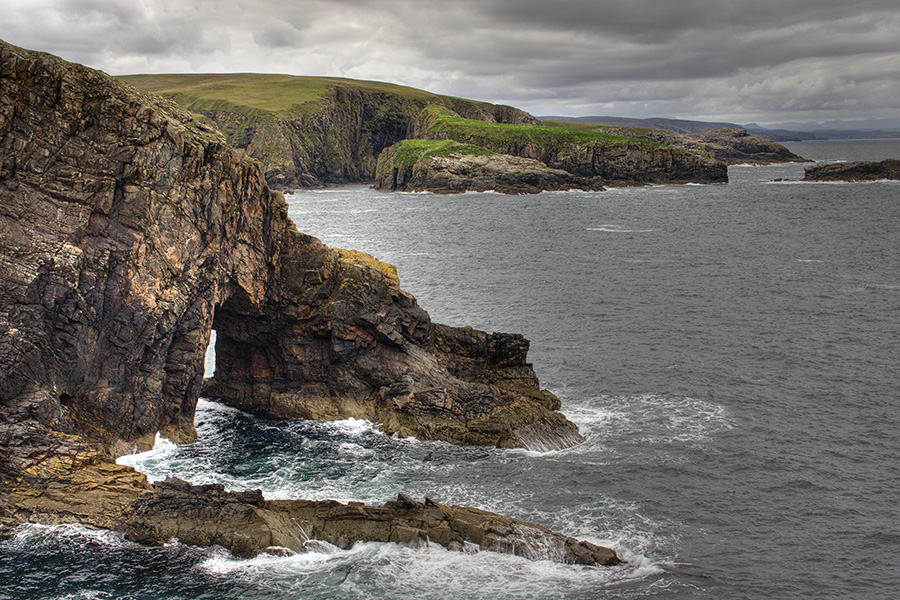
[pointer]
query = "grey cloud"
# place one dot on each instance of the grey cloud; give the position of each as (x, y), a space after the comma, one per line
(687, 58)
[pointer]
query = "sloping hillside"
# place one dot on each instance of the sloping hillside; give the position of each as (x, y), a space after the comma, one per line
(312, 130)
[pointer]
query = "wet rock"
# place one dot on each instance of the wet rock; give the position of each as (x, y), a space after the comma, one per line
(247, 525)
(127, 231)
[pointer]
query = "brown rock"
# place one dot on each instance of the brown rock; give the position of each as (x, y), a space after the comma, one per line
(246, 524)
(480, 173)
(130, 231)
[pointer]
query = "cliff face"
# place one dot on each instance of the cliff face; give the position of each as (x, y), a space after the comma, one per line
(454, 154)
(730, 145)
(584, 153)
(124, 224)
(453, 168)
(130, 231)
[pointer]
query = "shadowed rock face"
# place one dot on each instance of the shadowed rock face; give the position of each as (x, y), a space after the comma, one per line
(129, 231)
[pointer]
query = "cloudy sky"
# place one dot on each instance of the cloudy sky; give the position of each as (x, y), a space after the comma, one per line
(767, 61)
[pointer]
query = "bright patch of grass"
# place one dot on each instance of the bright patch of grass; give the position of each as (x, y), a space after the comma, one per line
(502, 136)
(255, 93)
(409, 152)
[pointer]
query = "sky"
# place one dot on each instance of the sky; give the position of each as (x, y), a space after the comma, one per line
(742, 61)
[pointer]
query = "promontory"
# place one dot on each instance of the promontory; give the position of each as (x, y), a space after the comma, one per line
(129, 229)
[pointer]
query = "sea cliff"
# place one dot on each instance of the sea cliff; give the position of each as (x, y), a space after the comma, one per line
(129, 229)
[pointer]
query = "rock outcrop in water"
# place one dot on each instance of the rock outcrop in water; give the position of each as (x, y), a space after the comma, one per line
(855, 171)
(246, 524)
(127, 231)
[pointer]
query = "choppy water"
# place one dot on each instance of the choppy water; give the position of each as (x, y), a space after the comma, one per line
(730, 352)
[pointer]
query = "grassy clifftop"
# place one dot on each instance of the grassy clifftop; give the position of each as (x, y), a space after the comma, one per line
(312, 130)
(258, 93)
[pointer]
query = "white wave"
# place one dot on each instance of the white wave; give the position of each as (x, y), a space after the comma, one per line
(351, 427)
(609, 228)
(808, 260)
(29, 535)
(646, 419)
(355, 450)
(148, 462)
(377, 569)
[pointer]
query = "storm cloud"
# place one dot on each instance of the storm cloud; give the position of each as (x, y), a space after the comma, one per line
(735, 60)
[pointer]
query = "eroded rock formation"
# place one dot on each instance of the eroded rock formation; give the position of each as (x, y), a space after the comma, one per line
(127, 230)
(130, 231)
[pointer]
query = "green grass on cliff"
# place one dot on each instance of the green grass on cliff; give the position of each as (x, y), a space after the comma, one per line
(256, 93)
(628, 132)
(499, 136)
(409, 152)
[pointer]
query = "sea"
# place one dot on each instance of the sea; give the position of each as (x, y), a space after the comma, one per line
(731, 354)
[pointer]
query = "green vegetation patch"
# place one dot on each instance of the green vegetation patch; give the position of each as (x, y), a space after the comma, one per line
(498, 136)
(410, 152)
(255, 93)
(628, 132)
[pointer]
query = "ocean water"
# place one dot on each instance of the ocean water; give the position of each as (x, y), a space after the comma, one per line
(730, 352)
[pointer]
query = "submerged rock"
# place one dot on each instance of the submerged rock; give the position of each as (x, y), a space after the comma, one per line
(855, 171)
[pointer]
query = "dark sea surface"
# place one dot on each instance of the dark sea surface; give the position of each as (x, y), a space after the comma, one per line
(730, 352)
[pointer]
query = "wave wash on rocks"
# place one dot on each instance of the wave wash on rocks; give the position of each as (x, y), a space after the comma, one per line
(128, 231)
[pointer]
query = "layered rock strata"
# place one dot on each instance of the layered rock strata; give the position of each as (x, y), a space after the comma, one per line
(855, 171)
(130, 231)
(127, 231)
(81, 485)
(333, 137)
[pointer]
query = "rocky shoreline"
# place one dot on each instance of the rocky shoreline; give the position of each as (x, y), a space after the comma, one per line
(128, 231)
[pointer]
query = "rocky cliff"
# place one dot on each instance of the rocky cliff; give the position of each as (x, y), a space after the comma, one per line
(591, 156)
(855, 171)
(311, 130)
(450, 167)
(128, 230)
